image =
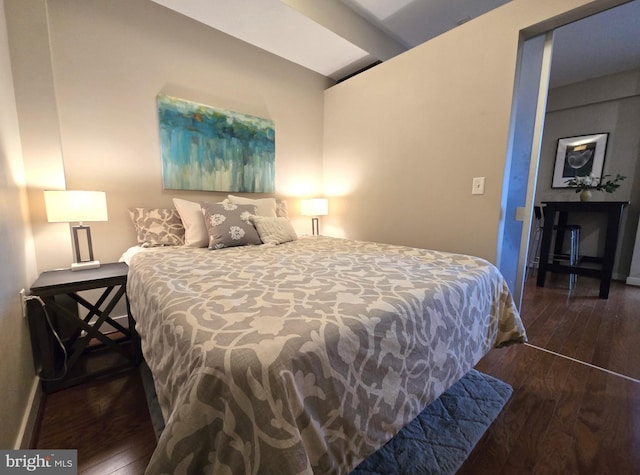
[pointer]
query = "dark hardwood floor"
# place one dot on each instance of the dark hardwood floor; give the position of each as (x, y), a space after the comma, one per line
(567, 417)
(106, 420)
(564, 417)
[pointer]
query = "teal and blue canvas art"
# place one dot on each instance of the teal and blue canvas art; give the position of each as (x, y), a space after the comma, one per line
(209, 149)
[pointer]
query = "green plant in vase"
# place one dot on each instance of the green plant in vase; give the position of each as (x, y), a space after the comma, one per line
(588, 183)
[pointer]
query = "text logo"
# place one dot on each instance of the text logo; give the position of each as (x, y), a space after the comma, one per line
(53, 462)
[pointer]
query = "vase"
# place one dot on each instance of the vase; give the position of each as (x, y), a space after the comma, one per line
(585, 195)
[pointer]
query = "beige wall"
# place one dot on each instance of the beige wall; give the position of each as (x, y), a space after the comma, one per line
(109, 60)
(39, 130)
(607, 104)
(404, 139)
(17, 378)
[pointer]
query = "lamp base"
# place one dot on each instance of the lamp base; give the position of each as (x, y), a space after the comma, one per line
(85, 265)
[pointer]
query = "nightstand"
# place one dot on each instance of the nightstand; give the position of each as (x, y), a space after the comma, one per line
(89, 349)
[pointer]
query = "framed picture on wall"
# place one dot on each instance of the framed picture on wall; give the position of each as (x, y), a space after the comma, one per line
(210, 149)
(579, 156)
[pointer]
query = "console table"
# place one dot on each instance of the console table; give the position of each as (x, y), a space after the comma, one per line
(560, 210)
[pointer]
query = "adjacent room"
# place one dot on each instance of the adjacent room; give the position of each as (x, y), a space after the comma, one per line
(286, 236)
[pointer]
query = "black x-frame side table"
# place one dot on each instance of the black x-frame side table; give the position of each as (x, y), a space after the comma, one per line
(82, 335)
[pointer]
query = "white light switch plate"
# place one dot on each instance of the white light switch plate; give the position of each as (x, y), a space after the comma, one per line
(477, 188)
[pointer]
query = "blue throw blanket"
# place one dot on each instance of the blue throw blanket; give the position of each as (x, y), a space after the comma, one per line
(440, 439)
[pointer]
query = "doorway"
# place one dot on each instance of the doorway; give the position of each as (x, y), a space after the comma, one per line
(538, 122)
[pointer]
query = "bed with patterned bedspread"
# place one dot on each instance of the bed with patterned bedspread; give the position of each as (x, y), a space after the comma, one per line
(308, 356)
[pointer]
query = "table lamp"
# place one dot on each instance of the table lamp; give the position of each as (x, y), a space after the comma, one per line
(77, 207)
(315, 207)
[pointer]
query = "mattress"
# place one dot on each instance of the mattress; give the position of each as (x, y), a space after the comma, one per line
(308, 356)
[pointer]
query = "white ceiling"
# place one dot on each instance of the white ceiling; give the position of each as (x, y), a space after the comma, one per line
(602, 44)
(336, 38)
(413, 22)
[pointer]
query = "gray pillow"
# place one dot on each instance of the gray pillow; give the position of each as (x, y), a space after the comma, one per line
(229, 224)
(157, 227)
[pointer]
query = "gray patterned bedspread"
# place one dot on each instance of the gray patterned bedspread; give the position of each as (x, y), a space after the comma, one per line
(308, 356)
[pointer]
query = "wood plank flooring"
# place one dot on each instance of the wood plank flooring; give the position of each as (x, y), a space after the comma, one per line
(564, 417)
(106, 420)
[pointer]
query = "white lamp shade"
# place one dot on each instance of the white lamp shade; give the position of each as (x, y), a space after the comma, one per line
(75, 206)
(315, 207)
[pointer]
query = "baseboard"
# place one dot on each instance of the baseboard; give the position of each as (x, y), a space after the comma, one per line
(633, 281)
(30, 417)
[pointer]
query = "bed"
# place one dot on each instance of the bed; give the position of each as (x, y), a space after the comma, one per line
(306, 357)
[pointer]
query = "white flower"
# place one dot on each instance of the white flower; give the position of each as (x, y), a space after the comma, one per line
(217, 219)
(584, 181)
(245, 216)
(228, 206)
(236, 232)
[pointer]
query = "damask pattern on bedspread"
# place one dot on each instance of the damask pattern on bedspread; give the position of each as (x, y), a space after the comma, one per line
(307, 356)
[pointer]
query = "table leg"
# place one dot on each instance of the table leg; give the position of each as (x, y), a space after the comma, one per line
(545, 246)
(610, 244)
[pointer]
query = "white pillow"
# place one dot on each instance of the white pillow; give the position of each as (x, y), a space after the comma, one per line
(274, 230)
(195, 230)
(265, 206)
(282, 210)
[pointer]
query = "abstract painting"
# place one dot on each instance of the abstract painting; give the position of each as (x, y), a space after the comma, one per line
(579, 156)
(209, 149)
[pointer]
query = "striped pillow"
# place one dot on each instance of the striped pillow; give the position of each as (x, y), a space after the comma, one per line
(274, 230)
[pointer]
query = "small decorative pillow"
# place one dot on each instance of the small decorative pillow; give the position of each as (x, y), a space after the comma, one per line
(157, 227)
(264, 206)
(195, 231)
(282, 210)
(229, 225)
(274, 230)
